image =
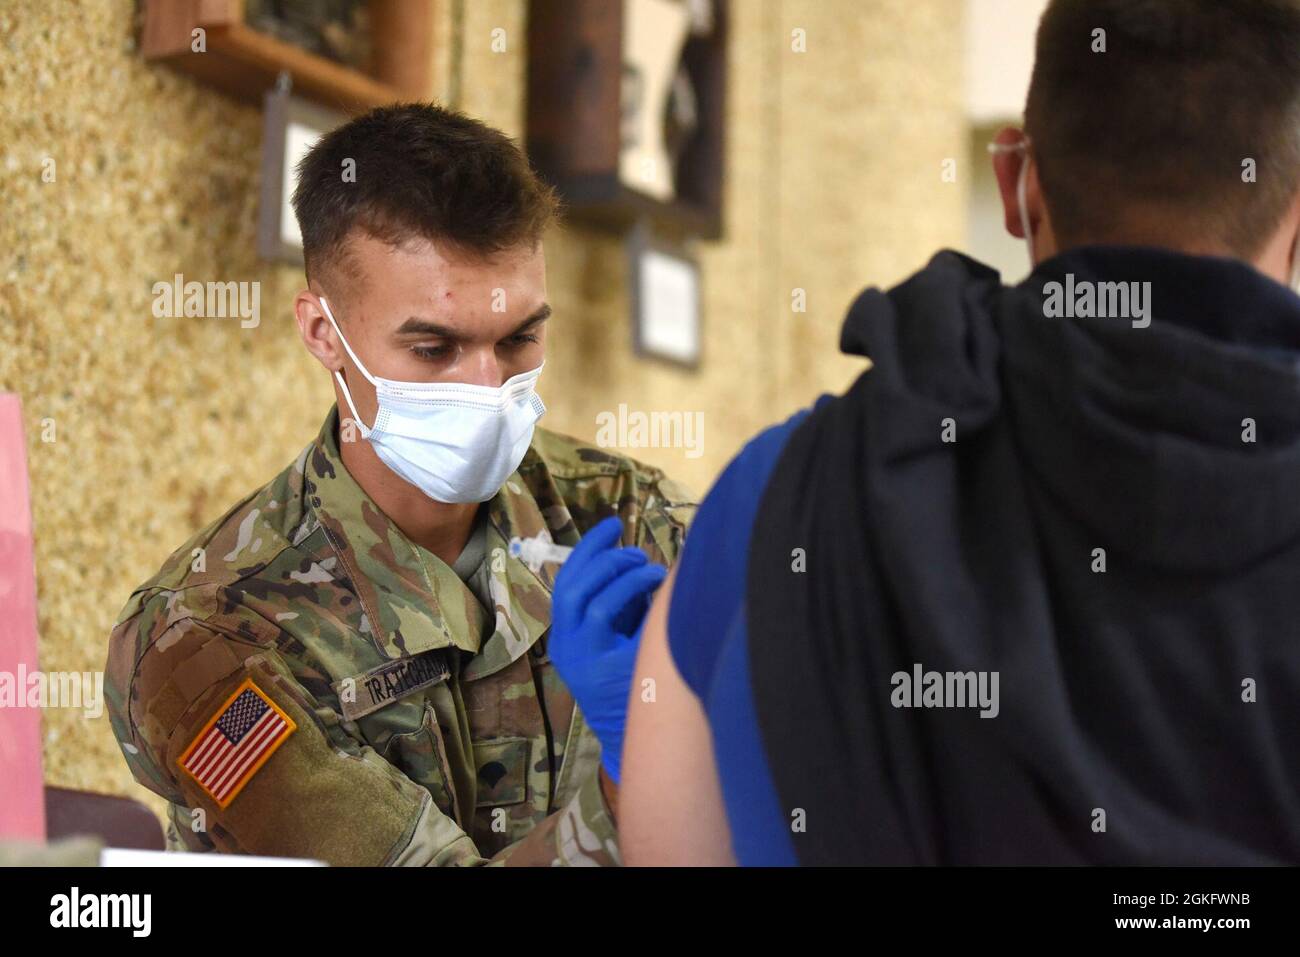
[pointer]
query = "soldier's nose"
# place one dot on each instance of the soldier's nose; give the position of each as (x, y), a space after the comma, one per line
(484, 369)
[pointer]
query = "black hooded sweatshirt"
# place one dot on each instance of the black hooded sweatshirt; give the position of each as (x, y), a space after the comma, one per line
(1105, 515)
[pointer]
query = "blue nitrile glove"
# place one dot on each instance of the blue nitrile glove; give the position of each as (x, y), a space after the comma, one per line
(601, 596)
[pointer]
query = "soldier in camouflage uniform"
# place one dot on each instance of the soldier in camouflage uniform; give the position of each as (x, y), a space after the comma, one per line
(428, 730)
(318, 676)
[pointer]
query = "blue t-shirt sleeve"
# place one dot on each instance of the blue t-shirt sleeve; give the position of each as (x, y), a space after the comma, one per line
(708, 639)
(709, 587)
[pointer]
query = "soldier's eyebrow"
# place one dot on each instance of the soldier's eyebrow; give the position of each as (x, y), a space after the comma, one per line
(541, 315)
(416, 326)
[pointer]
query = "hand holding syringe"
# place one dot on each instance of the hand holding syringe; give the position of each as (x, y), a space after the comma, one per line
(539, 550)
(598, 604)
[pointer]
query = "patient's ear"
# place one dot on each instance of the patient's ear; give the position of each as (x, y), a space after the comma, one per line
(1008, 160)
(1276, 257)
(317, 331)
(1006, 168)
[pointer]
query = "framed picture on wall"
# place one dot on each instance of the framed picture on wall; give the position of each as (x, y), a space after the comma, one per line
(626, 109)
(348, 55)
(664, 282)
(290, 127)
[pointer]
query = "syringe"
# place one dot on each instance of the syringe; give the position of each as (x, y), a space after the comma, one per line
(536, 551)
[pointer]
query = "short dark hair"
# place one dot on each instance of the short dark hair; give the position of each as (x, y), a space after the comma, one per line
(421, 171)
(1151, 136)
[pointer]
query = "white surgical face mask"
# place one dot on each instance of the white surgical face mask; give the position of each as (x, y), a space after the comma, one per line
(453, 441)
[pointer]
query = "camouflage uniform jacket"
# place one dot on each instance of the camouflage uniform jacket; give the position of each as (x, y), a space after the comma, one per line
(407, 724)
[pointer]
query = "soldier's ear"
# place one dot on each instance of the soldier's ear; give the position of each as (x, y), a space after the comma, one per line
(316, 330)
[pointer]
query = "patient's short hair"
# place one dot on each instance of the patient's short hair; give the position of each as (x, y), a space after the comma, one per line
(1153, 136)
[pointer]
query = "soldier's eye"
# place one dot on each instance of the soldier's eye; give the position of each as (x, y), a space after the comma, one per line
(431, 352)
(523, 339)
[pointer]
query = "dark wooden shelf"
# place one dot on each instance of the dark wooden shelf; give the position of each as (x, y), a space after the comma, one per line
(244, 63)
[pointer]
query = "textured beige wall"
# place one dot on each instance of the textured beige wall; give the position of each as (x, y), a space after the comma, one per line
(833, 183)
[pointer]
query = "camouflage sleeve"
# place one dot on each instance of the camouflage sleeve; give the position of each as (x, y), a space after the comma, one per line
(580, 834)
(306, 788)
(182, 833)
(666, 510)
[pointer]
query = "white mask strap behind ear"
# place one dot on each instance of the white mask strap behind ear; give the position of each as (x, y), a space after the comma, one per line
(338, 376)
(1295, 266)
(1021, 188)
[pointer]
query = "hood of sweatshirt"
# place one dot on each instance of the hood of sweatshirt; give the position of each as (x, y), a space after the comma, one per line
(1155, 395)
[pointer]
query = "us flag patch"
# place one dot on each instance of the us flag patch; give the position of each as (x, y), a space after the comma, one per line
(236, 743)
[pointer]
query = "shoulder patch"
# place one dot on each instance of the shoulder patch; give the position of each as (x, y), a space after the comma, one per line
(235, 743)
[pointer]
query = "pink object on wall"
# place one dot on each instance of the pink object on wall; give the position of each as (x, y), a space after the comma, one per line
(22, 807)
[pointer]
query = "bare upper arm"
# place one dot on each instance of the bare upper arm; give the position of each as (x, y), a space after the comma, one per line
(670, 802)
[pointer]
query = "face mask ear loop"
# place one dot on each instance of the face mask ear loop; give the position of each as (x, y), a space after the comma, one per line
(1022, 181)
(1021, 199)
(1295, 265)
(356, 417)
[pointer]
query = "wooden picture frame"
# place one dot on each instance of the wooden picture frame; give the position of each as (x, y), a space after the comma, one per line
(575, 113)
(289, 127)
(245, 63)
